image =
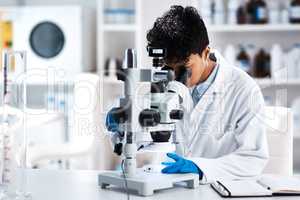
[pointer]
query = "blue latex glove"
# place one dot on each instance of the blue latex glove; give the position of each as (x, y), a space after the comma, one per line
(117, 137)
(110, 123)
(180, 166)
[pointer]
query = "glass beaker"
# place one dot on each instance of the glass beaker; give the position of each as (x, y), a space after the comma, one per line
(13, 117)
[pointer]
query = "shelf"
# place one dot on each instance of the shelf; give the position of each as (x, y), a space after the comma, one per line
(254, 28)
(119, 27)
(283, 82)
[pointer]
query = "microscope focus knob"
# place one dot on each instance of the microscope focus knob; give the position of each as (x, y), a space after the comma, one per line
(176, 114)
(149, 117)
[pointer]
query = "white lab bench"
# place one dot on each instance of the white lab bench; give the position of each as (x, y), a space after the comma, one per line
(82, 185)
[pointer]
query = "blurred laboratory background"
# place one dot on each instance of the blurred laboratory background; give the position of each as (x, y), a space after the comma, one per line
(69, 38)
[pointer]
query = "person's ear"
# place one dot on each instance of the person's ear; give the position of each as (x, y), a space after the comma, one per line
(205, 53)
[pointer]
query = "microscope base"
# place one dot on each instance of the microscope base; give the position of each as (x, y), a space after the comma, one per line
(146, 183)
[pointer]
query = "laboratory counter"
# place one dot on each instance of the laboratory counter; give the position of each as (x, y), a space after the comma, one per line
(82, 185)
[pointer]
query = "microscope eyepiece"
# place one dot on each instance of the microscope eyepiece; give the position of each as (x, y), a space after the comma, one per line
(156, 52)
(158, 55)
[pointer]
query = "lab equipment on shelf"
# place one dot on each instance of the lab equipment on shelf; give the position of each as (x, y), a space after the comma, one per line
(257, 12)
(261, 67)
(274, 12)
(292, 62)
(277, 63)
(233, 6)
(219, 12)
(251, 51)
(13, 146)
(284, 13)
(294, 11)
(241, 14)
(243, 60)
(119, 12)
(206, 11)
(60, 36)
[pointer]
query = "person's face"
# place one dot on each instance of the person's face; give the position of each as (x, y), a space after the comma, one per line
(196, 64)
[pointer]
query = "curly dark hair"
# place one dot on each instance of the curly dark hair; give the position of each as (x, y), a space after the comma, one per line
(181, 31)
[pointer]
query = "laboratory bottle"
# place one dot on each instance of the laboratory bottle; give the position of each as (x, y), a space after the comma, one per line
(267, 64)
(206, 11)
(284, 13)
(289, 62)
(233, 6)
(251, 50)
(296, 60)
(257, 10)
(277, 68)
(241, 14)
(294, 11)
(274, 14)
(230, 54)
(219, 12)
(292, 62)
(261, 66)
(243, 60)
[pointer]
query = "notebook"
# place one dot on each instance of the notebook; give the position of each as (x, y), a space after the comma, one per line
(263, 187)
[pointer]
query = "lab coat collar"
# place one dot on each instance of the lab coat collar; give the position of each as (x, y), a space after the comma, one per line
(201, 88)
(222, 76)
(216, 91)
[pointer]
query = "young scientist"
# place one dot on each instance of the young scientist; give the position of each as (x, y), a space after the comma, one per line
(222, 134)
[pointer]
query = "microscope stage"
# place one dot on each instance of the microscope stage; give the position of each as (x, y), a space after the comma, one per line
(146, 183)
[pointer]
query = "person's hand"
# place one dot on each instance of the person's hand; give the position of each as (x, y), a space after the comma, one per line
(117, 136)
(181, 165)
(111, 123)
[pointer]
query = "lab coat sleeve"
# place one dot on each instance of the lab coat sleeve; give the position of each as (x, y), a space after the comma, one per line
(251, 156)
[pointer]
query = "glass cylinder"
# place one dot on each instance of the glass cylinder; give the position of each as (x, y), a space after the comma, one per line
(13, 131)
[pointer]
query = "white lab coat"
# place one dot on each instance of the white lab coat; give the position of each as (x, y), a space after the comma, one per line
(224, 133)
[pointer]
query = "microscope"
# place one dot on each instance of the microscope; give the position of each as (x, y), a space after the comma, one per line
(148, 107)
